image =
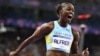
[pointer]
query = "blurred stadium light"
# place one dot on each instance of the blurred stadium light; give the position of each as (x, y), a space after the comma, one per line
(4, 29)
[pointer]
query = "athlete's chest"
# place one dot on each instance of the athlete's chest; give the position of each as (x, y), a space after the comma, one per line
(62, 36)
(62, 32)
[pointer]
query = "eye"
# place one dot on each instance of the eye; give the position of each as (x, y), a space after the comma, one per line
(68, 9)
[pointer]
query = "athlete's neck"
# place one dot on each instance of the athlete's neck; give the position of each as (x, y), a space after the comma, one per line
(62, 23)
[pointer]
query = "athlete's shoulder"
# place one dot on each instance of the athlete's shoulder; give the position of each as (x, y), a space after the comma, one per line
(48, 25)
(75, 33)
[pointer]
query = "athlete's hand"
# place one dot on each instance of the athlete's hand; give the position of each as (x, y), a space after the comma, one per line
(85, 52)
(12, 53)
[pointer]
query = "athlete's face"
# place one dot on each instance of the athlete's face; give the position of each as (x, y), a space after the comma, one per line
(67, 12)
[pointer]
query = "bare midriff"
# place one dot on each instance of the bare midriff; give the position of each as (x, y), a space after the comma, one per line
(56, 53)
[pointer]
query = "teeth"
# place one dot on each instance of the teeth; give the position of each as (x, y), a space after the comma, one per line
(70, 15)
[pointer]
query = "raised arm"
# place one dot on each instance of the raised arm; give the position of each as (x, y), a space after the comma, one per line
(39, 33)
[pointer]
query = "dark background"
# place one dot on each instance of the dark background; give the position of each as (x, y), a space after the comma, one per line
(20, 18)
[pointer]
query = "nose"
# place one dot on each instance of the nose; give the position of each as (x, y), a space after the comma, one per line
(71, 12)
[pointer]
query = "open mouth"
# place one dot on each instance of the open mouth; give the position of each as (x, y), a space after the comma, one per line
(69, 16)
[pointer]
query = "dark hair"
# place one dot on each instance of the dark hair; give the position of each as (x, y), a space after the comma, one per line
(60, 6)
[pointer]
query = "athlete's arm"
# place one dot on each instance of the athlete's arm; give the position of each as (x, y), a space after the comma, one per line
(39, 33)
(74, 48)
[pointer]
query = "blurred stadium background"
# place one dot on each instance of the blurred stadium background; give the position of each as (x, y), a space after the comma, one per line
(19, 19)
